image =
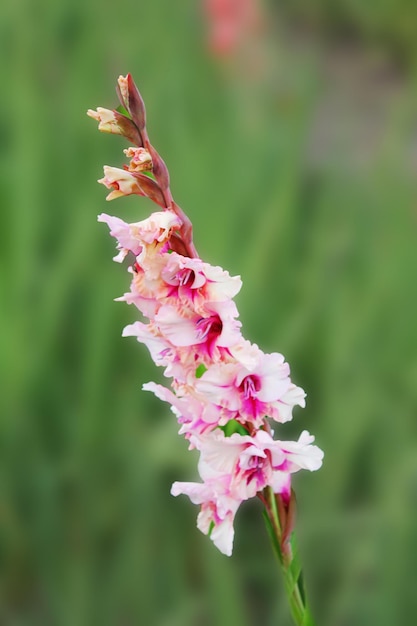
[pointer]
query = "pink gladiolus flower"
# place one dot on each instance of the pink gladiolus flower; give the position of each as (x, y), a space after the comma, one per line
(218, 328)
(147, 289)
(235, 469)
(217, 513)
(176, 360)
(160, 350)
(224, 390)
(127, 240)
(194, 282)
(251, 462)
(156, 228)
(252, 393)
(195, 416)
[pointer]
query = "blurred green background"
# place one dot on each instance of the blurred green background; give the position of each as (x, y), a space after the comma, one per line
(295, 157)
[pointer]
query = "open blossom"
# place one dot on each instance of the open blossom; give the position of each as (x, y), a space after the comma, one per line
(193, 325)
(194, 282)
(252, 393)
(180, 363)
(224, 390)
(195, 416)
(127, 239)
(218, 328)
(217, 376)
(162, 352)
(218, 510)
(253, 461)
(236, 468)
(147, 289)
(133, 237)
(245, 461)
(158, 226)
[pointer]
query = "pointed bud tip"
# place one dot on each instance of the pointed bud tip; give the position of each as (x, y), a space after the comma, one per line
(93, 114)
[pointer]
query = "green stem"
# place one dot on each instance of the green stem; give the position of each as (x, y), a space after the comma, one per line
(279, 518)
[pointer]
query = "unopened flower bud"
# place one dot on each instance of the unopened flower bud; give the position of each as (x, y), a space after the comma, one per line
(140, 159)
(160, 170)
(124, 90)
(122, 182)
(106, 120)
(116, 124)
(126, 183)
(132, 100)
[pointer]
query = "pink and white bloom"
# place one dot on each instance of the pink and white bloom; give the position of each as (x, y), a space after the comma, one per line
(263, 390)
(195, 416)
(127, 240)
(187, 286)
(143, 292)
(217, 329)
(218, 510)
(221, 383)
(161, 351)
(255, 462)
(157, 228)
(193, 282)
(235, 469)
(180, 363)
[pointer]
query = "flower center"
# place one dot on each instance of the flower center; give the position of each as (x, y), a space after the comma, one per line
(250, 386)
(208, 328)
(186, 277)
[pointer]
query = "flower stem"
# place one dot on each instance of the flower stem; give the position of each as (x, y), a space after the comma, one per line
(279, 517)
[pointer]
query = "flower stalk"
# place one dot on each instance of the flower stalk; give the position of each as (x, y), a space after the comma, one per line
(279, 519)
(226, 393)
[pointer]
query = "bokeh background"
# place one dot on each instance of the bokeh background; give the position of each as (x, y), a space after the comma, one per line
(290, 132)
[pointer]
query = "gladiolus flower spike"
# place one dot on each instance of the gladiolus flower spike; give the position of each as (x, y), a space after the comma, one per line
(225, 392)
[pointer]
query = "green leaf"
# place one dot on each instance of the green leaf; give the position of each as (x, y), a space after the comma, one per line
(123, 111)
(200, 370)
(233, 426)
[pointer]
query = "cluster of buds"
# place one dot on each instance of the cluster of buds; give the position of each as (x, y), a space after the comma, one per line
(225, 392)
